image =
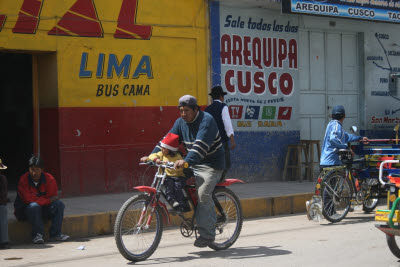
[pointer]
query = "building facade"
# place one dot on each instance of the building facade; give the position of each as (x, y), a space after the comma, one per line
(92, 85)
(105, 79)
(285, 71)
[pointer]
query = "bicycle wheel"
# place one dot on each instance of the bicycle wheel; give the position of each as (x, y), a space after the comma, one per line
(371, 202)
(392, 243)
(136, 240)
(229, 224)
(336, 194)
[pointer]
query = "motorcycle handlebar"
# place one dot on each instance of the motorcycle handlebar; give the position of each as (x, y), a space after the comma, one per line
(165, 165)
(381, 140)
(381, 169)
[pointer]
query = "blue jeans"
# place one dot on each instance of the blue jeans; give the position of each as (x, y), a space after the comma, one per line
(3, 224)
(206, 179)
(36, 213)
(173, 189)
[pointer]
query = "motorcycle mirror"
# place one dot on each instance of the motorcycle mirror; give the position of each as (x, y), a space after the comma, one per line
(353, 129)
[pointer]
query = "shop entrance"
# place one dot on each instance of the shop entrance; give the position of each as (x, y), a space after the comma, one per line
(16, 114)
(329, 76)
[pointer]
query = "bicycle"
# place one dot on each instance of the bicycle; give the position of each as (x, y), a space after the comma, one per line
(339, 187)
(139, 223)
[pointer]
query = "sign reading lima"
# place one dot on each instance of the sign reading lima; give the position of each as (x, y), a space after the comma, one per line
(81, 20)
(142, 68)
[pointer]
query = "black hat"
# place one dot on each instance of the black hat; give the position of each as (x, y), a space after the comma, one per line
(36, 161)
(217, 91)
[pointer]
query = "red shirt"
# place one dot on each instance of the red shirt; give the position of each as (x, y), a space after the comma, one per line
(41, 193)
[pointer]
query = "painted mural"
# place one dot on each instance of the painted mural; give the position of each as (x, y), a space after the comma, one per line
(121, 67)
(382, 60)
(255, 60)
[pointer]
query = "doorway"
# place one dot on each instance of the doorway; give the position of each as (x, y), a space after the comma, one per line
(329, 76)
(16, 114)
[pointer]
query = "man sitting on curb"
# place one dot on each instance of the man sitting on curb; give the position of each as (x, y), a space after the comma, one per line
(37, 200)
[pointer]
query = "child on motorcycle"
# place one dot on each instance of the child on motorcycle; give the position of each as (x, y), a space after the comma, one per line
(176, 180)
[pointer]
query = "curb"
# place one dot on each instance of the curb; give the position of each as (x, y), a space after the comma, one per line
(89, 225)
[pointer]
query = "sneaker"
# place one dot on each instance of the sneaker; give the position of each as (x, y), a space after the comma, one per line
(38, 239)
(202, 242)
(60, 237)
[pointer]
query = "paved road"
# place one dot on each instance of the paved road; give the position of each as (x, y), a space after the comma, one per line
(273, 241)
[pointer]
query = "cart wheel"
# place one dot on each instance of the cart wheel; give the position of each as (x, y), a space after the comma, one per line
(371, 203)
(392, 243)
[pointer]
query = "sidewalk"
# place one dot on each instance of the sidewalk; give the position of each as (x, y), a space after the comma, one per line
(94, 215)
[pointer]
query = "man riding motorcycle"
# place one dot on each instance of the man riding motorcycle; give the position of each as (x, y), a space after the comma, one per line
(198, 132)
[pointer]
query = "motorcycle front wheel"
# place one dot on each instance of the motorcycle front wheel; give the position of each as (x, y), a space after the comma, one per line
(138, 231)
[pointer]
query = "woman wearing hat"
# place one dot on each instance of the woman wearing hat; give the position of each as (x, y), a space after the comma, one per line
(3, 209)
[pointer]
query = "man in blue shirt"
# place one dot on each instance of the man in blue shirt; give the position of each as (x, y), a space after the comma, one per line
(199, 134)
(336, 138)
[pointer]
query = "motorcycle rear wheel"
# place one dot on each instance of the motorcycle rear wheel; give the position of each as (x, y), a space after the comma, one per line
(228, 227)
(336, 194)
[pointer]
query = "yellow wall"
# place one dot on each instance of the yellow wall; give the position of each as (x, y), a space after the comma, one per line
(177, 50)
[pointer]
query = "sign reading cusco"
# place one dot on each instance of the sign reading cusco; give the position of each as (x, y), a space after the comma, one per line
(256, 61)
(379, 10)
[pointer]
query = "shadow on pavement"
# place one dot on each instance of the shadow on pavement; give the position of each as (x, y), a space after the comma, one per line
(353, 220)
(231, 253)
(31, 246)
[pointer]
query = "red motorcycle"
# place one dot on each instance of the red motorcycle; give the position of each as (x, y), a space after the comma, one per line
(139, 223)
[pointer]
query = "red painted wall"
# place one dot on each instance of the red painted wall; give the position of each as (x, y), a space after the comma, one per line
(100, 148)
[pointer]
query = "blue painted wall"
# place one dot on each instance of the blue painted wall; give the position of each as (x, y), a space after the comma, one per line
(260, 156)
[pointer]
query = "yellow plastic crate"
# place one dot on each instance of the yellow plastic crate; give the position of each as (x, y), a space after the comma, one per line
(383, 216)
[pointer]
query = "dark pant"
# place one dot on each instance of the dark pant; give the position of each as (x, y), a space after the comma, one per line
(3, 225)
(326, 198)
(36, 213)
(173, 189)
(227, 159)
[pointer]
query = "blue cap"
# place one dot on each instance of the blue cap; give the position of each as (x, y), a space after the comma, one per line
(338, 110)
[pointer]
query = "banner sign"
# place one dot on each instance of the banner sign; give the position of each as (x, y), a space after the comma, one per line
(377, 10)
(255, 60)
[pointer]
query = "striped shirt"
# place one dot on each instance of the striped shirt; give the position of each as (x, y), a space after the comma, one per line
(201, 139)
